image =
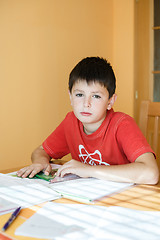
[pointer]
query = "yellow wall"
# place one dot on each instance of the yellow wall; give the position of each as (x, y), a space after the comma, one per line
(123, 54)
(41, 41)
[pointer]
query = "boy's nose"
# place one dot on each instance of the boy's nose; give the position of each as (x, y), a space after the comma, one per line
(87, 102)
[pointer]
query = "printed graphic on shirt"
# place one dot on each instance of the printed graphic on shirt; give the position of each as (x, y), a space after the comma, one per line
(91, 158)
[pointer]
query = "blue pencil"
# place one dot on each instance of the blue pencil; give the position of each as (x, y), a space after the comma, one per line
(11, 219)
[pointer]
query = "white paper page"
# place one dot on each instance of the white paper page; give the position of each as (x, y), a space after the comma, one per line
(88, 189)
(7, 206)
(24, 192)
(91, 222)
(43, 224)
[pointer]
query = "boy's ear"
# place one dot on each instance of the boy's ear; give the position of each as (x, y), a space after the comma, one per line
(111, 101)
(70, 96)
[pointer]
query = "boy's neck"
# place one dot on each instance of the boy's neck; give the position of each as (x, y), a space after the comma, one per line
(91, 128)
(86, 131)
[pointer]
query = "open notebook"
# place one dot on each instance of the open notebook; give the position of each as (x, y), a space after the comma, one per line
(27, 192)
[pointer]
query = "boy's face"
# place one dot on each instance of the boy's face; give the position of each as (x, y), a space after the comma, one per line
(90, 102)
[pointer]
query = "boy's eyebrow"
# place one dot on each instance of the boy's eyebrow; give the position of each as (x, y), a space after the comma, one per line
(80, 90)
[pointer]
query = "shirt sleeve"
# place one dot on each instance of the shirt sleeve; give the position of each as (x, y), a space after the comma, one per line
(56, 144)
(131, 140)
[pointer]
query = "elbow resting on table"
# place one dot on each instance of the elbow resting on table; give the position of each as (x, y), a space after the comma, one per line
(153, 177)
(148, 167)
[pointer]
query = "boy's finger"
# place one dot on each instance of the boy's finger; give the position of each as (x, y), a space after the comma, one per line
(47, 170)
(58, 173)
(21, 172)
(33, 173)
(26, 173)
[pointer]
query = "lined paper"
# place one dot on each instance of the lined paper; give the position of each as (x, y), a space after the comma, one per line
(91, 222)
(88, 189)
(23, 192)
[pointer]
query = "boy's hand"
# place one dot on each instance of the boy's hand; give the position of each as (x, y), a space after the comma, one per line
(33, 169)
(74, 167)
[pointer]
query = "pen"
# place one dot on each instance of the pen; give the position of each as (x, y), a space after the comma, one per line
(11, 219)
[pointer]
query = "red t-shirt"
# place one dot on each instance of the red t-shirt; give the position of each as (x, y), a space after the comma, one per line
(117, 141)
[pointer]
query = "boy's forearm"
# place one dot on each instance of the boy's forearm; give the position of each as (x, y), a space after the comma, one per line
(137, 172)
(40, 156)
(121, 173)
(143, 171)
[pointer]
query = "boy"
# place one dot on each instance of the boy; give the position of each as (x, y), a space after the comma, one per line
(103, 144)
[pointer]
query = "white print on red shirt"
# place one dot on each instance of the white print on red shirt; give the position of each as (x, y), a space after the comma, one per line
(91, 158)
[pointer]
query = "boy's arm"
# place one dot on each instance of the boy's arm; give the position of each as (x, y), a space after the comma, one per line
(143, 171)
(40, 161)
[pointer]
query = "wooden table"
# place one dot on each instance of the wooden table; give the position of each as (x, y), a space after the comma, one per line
(140, 197)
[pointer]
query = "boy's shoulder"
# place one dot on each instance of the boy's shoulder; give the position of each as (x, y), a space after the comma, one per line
(119, 118)
(70, 115)
(118, 115)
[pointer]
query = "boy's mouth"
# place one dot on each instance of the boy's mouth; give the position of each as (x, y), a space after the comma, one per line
(86, 114)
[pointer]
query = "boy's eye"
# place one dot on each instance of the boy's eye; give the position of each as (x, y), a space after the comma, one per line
(79, 95)
(96, 96)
